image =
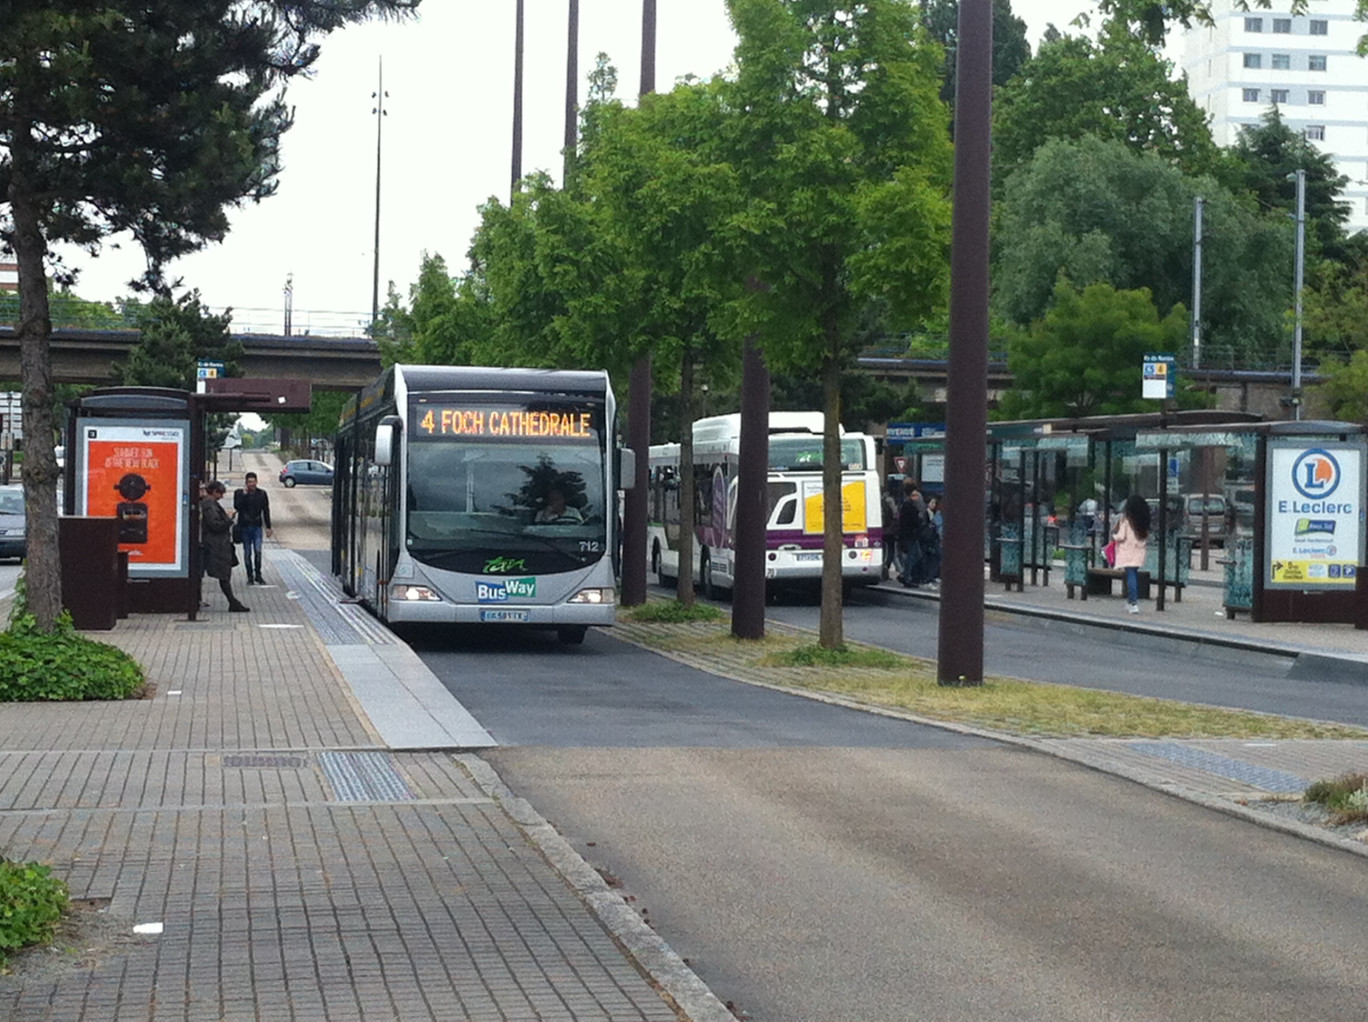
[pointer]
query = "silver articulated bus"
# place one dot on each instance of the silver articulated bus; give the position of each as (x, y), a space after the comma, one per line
(467, 495)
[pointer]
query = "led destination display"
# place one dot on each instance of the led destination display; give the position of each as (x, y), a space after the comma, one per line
(457, 421)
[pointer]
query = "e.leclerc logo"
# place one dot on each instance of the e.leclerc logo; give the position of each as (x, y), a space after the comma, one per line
(1316, 474)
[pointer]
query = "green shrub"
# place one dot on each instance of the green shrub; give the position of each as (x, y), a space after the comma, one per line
(674, 612)
(1346, 797)
(62, 665)
(32, 901)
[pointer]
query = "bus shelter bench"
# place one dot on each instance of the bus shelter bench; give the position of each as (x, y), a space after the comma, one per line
(1075, 565)
(1099, 582)
(1011, 569)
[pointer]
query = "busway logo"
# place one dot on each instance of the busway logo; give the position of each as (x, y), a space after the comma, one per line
(505, 589)
(1316, 474)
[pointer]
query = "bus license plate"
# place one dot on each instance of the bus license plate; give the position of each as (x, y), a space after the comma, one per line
(814, 556)
(504, 615)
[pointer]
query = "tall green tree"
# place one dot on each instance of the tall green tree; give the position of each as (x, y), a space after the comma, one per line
(1344, 387)
(1116, 88)
(1010, 48)
(1098, 212)
(845, 162)
(152, 118)
(659, 178)
(174, 335)
(1084, 356)
(1268, 155)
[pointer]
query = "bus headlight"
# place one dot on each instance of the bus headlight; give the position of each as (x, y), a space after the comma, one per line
(593, 596)
(413, 594)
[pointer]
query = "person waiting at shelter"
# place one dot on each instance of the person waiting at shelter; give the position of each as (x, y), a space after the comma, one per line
(216, 542)
(1130, 536)
(253, 508)
(912, 522)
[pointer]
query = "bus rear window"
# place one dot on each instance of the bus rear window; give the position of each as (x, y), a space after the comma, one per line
(804, 454)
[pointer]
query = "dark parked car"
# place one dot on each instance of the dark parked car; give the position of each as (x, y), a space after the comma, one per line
(13, 525)
(307, 472)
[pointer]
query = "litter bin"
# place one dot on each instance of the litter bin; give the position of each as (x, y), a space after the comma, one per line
(90, 571)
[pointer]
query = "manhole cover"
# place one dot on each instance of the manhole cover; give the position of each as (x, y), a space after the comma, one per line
(266, 762)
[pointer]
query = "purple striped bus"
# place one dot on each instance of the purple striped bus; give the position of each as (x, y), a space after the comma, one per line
(793, 537)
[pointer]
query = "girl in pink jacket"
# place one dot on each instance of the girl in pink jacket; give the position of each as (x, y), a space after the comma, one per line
(1130, 535)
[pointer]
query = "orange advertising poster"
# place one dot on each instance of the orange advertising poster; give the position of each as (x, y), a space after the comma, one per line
(133, 473)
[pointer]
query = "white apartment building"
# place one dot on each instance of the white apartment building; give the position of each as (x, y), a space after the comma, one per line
(1305, 64)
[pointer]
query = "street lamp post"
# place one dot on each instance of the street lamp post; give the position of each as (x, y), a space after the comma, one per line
(517, 101)
(380, 114)
(1297, 276)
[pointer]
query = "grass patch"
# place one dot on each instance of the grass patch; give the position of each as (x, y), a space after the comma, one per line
(842, 657)
(1345, 797)
(674, 612)
(881, 678)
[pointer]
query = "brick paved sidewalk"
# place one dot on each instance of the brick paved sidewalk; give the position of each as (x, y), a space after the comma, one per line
(297, 867)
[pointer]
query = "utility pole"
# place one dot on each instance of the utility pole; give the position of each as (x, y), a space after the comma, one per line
(1297, 296)
(571, 93)
(517, 101)
(289, 302)
(1197, 282)
(380, 114)
(960, 643)
(635, 505)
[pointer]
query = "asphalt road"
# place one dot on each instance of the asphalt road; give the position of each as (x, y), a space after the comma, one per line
(815, 864)
(995, 885)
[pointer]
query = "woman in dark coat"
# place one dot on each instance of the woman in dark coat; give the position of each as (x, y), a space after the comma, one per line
(216, 528)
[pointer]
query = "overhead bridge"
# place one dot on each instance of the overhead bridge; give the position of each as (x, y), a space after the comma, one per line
(88, 356)
(348, 363)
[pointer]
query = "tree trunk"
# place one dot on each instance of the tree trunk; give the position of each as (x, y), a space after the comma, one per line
(42, 571)
(688, 523)
(832, 634)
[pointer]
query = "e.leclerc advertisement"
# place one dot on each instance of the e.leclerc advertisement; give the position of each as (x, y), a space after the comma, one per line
(133, 473)
(1315, 516)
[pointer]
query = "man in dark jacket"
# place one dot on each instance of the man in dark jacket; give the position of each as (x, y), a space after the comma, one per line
(253, 514)
(912, 520)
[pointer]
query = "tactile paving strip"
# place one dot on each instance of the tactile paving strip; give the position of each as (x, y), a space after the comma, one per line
(1224, 766)
(338, 623)
(364, 777)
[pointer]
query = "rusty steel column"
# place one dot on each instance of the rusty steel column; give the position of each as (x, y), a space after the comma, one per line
(960, 653)
(636, 505)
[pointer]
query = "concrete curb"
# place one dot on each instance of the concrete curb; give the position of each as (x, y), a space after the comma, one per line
(1091, 759)
(646, 947)
(1178, 639)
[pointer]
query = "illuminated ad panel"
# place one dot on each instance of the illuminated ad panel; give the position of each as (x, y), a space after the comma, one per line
(137, 473)
(1315, 532)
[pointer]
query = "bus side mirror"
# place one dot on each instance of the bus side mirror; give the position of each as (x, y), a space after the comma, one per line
(386, 436)
(626, 468)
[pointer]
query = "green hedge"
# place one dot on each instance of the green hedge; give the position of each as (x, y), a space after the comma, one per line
(62, 665)
(32, 901)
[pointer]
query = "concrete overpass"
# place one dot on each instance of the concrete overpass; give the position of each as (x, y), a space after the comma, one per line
(346, 363)
(88, 356)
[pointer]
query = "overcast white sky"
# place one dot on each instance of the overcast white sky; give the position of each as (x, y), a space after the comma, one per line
(446, 148)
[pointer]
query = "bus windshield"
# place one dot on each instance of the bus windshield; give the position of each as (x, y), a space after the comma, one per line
(516, 490)
(804, 453)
